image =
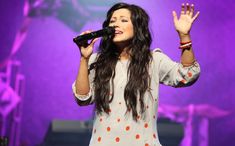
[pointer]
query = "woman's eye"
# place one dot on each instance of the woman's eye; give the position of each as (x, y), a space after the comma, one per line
(111, 21)
(124, 20)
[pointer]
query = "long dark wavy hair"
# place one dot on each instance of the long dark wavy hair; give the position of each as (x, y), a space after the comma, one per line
(140, 58)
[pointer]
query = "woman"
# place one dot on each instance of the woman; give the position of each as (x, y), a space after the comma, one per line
(123, 78)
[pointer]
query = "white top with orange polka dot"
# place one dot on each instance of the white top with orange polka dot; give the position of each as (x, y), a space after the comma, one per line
(118, 128)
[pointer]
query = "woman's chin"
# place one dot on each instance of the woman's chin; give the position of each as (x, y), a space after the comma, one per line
(120, 40)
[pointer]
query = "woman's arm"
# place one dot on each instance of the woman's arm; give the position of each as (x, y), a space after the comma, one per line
(82, 86)
(82, 81)
(183, 26)
(172, 73)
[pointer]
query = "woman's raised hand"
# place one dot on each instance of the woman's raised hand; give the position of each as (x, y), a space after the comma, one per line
(184, 23)
(86, 48)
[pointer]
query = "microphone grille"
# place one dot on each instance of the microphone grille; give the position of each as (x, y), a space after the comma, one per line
(110, 30)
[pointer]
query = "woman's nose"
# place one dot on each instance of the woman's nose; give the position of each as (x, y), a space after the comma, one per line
(116, 25)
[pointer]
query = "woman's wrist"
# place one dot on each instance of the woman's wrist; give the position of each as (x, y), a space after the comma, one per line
(84, 59)
(184, 37)
(185, 41)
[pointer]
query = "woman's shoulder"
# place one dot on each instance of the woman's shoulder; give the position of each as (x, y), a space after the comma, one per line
(157, 53)
(93, 57)
(156, 50)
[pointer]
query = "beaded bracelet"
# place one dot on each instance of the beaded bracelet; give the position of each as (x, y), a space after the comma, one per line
(186, 46)
(183, 43)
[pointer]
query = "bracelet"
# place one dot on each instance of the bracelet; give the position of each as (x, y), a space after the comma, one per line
(183, 43)
(186, 46)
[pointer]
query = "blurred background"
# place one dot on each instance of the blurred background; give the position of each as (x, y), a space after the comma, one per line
(39, 62)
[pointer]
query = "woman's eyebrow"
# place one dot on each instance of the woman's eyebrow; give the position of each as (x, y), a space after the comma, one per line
(119, 16)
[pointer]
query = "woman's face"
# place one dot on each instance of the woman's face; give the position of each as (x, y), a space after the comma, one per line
(124, 31)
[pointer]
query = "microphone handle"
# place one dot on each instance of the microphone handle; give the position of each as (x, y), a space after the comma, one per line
(95, 34)
(88, 36)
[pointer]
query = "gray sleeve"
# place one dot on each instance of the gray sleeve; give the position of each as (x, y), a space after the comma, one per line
(175, 74)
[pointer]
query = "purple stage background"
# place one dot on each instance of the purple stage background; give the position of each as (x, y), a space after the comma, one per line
(50, 62)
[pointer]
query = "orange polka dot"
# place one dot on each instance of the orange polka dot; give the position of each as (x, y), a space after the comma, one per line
(154, 135)
(146, 144)
(117, 139)
(99, 139)
(189, 74)
(138, 117)
(183, 81)
(118, 120)
(127, 128)
(108, 129)
(146, 125)
(100, 119)
(137, 136)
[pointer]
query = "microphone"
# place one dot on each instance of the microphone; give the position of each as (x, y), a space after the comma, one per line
(100, 33)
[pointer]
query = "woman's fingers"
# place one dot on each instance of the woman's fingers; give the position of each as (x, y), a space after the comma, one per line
(86, 48)
(85, 32)
(188, 9)
(196, 15)
(175, 18)
(93, 41)
(191, 10)
(84, 43)
(182, 9)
